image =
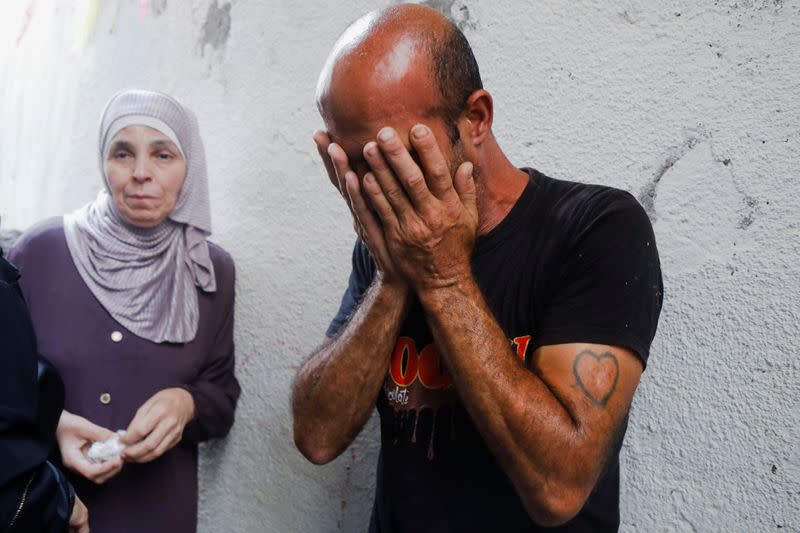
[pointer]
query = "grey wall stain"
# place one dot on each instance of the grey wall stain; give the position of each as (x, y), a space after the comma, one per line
(114, 19)
(159, 6)
(343, 502)
(460, 16)
(626, 17)
(443, 6)
(751, 205)
(217, 26)
(751, 208)
(647, 196)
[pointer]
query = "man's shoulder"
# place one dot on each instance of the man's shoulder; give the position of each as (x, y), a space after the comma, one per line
(573, 203)
(583, 195)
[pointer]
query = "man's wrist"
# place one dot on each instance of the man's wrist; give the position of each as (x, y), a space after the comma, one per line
(393, 297)
(391, 286)
(436, 296)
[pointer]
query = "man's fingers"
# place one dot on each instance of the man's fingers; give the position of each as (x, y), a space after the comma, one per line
(371, 230)
(407, 170)
(379, 201)
(394, 191)
(434, 164)
(341, 166)
(464, 184)
(322, 140)
(362, 214)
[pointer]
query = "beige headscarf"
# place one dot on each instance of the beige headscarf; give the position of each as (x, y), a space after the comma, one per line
(146, 277)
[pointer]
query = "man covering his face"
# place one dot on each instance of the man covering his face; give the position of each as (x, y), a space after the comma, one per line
(499, 319)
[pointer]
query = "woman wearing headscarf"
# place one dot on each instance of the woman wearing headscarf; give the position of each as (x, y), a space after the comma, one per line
(135, 308)
(34, 495)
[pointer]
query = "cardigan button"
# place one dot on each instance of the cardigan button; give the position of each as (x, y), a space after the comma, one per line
(116, 336)
(105, 398)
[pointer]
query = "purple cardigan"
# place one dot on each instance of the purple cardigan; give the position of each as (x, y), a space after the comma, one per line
(109, 372)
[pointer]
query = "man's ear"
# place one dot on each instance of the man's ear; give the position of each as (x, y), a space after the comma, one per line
(477, 117)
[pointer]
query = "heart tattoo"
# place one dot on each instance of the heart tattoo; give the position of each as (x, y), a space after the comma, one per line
(597, 375)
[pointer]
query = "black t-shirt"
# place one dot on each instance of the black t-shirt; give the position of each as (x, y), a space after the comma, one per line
(569, 263)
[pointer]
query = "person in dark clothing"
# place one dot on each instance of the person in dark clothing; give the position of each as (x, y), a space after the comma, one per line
(34, 495)
(499, 319)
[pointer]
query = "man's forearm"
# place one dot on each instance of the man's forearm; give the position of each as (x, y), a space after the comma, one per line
(530, 432)
(335, 390)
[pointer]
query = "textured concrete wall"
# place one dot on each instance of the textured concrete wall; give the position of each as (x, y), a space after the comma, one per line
(692, 106)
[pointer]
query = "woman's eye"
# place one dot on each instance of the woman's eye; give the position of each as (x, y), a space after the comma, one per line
(165, 156)
(121, 155)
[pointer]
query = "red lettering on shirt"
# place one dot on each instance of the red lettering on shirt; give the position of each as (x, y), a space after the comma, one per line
(404, 362)
(432, 372)
(407, 364)
(521, 345)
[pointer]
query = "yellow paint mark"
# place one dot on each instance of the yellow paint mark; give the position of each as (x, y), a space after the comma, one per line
(86, 13)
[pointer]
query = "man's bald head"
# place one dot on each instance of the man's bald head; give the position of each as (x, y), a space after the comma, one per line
(399, 53)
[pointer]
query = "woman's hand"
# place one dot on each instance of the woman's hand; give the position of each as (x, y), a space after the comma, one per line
(158, 425)
(79, 521)
(75, 435)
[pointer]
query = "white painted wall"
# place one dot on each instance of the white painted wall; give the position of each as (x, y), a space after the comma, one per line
(692, 106)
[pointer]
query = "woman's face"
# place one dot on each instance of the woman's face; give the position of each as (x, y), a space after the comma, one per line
(145, 172)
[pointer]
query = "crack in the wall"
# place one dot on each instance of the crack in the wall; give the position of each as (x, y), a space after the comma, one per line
(679, 504)
(647, 196)
(626, 17)
(751, 204)
(217, 26)
(343, 502)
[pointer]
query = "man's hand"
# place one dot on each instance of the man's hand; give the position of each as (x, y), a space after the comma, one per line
(158, 425)
(75, 435)
(366, 224)
(79, 520)
(429, 218)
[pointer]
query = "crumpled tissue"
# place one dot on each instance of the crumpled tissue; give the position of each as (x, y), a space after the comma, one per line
(100, 452)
